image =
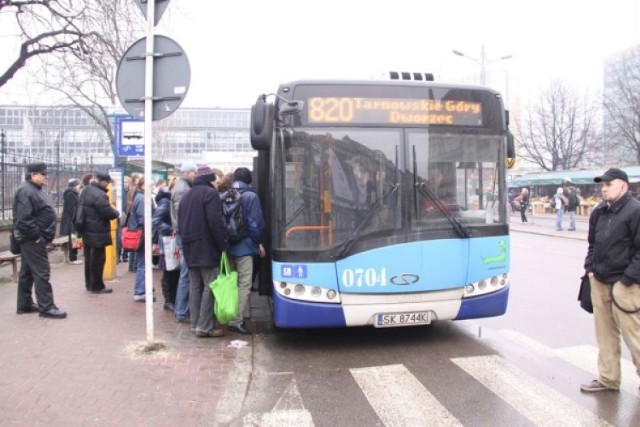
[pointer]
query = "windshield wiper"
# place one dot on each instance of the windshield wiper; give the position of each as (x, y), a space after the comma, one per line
(294, 215)
(424, 190)
(373, 209)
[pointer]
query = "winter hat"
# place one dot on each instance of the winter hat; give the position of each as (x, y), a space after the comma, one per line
(73, 182)
(206, 172)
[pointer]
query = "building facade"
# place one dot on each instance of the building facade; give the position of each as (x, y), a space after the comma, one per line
(65, 132)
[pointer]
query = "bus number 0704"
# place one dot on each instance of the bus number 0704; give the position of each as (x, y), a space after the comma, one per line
(360, 277)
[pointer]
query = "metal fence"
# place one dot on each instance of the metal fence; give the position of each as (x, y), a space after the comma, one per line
(13, 171)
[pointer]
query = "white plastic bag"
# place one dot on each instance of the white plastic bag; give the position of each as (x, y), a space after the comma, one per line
(171, 253)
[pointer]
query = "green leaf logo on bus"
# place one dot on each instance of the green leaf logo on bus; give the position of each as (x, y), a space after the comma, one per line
(497, 258)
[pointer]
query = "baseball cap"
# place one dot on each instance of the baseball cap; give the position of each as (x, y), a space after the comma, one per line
(188, 167)
(37, 168)
(611, 174)
(103, 176)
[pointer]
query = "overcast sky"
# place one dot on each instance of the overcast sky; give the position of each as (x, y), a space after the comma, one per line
(240, 49)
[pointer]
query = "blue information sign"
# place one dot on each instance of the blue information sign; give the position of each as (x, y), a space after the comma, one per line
(294, 271)
(130, 134)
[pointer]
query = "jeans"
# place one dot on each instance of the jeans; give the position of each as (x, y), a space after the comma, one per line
(139, 288)
(182, 293)
(559, 214)
(572, 220)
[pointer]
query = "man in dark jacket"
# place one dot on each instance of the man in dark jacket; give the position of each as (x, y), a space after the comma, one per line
(70, 202)
(613, 266)
(34, 225)
(204, 238)
(96, 234)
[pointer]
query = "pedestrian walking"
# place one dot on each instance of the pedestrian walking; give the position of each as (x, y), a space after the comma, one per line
(69, 204)
(96, 232)
(559, 204)
(204, 238)
(613, 266)
(523, 200)
(34, 225)
(572, 206)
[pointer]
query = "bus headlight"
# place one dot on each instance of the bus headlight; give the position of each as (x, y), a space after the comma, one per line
(486, 286)
(311, 293)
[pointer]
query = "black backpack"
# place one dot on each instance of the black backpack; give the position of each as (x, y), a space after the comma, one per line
(233, 215)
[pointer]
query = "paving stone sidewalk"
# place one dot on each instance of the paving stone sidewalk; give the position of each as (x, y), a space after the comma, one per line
(88, 369)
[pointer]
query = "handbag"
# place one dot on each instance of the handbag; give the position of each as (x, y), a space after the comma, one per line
(225, 292)
(132, 240)
(14, 246)
(76, 241)
(171, 253)
(584, 295)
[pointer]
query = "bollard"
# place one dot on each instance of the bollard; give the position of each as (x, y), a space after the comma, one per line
(109, 272)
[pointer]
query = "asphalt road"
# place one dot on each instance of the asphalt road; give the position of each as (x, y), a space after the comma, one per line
(521, 369)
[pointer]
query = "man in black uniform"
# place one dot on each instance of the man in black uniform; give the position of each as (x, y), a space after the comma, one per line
(34, 225)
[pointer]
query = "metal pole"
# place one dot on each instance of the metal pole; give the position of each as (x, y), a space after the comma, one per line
(4, 167)
(483, 68)
(148, 138)
(58, 172)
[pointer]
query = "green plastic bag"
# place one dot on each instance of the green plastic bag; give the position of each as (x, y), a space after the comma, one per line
(225, 292)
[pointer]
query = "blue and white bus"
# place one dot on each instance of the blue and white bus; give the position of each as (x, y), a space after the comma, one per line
(385, 202)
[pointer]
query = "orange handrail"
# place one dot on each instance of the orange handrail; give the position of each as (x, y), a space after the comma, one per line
(304, 228)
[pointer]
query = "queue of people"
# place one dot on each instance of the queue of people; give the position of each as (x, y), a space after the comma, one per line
(186, 209)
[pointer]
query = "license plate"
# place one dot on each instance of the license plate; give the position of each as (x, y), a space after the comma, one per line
(389, 320)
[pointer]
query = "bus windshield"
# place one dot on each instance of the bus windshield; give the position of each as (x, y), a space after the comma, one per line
(341, 187)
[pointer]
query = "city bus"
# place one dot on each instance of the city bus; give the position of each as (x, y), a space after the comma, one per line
(385, 202)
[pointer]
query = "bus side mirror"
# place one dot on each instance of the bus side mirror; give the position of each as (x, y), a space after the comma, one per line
(262, 120)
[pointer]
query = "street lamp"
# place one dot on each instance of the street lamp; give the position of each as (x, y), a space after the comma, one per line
(483, 62)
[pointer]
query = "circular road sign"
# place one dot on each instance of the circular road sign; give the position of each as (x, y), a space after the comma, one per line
(171, 77)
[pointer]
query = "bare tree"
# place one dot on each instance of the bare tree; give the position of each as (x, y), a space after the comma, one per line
(44, 27)
(559, 130)
(85, 76)
(622, 105)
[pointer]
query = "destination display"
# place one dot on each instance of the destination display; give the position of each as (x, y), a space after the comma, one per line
(393, 111)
